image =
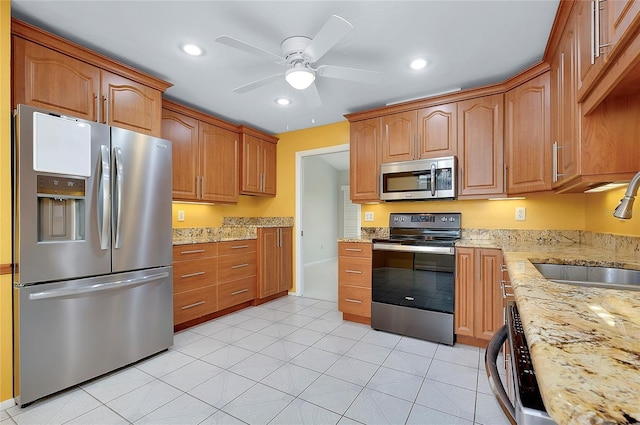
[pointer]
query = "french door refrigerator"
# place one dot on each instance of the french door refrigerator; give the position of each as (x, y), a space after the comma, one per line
(91, 250)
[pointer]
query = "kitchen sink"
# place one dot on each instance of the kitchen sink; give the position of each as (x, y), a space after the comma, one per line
(600, 277)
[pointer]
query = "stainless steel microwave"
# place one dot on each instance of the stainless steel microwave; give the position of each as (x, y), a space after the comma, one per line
(421, 179)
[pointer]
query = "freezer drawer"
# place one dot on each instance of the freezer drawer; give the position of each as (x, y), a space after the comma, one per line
(69, 332)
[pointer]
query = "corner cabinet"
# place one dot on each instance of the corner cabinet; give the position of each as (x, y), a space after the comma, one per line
(365, 160)
(55, 74)
(480, 147)
(258, 152)
(205, 155)
(354, 281)
(478, 310)
(275, 262)
(527, 136)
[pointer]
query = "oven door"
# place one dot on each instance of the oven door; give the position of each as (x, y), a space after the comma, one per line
(419, 277)
(421, 179)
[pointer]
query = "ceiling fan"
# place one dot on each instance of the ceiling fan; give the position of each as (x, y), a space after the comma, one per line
(299, 53)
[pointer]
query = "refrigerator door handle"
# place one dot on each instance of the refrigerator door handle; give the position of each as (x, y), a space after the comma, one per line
(120, 284)
(119, 176)
(104, 198)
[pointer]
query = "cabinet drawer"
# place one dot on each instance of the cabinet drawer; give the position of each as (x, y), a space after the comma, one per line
(236, 247)
(354, 249)
(233, 267)
(193, 304)
(354, 300)
(193, 274)
(236, 292)
(194, 251)
(354, 271)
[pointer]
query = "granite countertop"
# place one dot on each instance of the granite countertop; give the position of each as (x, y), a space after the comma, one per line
(584, 342)
(233, 228)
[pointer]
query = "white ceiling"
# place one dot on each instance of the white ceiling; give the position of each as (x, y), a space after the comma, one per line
(467, 44)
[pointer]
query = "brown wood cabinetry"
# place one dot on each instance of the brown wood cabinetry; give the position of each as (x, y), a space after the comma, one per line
(365, 160)
(438, 131)
(527, 136)
(237, 272)
(275, 263)
(354, 281)
(478, 295)
(194, 281)
(480, 146)
(205, 155)
(258, 163)
(399, 136)
(55, 74)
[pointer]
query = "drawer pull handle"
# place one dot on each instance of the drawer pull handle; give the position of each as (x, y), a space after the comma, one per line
(354, 271)
(353, 249)
(240, 291)
(504, 286)
(409, 298)
(238, 266)
(349, 300)
(193, 251)
(192, 305)
(239, 246)
(192, 274)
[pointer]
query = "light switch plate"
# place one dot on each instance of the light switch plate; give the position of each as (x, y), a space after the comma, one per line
(180, 215)
(368, 216)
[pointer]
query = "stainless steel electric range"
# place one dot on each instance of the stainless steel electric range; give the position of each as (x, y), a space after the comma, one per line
(413, 276)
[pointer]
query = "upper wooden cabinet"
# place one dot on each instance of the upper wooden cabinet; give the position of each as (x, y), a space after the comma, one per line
(54, 74)
(205, 155)
(424, 133)
(258, 153)
(527, 136)
(480, 147)
(365, 160)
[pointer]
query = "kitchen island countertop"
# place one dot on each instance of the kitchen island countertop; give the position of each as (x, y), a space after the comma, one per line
(584, 341)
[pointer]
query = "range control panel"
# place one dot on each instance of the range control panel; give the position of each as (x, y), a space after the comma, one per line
(425, 220)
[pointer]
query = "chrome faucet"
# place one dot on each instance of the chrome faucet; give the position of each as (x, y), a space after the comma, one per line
(624, 210)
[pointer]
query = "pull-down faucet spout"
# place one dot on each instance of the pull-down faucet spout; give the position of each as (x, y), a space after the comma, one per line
(624, 210)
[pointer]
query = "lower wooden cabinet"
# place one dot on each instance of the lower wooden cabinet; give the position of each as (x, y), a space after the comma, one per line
(237, 272)
(275, 271)
(354, 281)
(478, 309)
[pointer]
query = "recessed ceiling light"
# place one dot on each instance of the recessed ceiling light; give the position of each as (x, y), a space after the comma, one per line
(283, 101)
(192, 49)
(418, 64)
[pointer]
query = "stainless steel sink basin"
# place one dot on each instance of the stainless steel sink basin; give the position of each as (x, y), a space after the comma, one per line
(601, 277)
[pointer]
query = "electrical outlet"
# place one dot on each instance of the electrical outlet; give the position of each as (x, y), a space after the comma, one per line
(180, 215)
(368, 216)
(521, 213)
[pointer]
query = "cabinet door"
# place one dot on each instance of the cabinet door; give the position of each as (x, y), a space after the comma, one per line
(569, 124)
(437, 131)
(269, 166)
(480, 146)
(267, 262)
(620, 16)
(285, 280)
(130, 105)
(528, 136)
(587, 61)
(399, 137)
(365, 160)
(182, 131)
(50, 80)
(218, 164)
(464, 316)
(251, 164)
(488, 296)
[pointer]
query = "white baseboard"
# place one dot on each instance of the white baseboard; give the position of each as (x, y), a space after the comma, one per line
(4, 405)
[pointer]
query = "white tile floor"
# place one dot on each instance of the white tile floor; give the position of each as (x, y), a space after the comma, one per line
(290, 361)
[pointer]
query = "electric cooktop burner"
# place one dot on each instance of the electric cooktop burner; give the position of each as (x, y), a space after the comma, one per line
(423, 229)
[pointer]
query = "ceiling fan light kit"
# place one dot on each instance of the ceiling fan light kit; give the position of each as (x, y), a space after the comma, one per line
(300, 77)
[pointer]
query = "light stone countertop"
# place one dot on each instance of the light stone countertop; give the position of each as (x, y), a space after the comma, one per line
(584, 342)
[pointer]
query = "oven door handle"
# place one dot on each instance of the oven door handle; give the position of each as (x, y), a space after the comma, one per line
(490, 362)
(413, 248)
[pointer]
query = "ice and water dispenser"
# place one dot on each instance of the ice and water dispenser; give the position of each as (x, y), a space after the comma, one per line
(61, 209)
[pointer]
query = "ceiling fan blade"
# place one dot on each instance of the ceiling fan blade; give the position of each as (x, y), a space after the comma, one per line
(332, 32)
(312, 97)
(352, 74)
(258, 83)
(246, 47)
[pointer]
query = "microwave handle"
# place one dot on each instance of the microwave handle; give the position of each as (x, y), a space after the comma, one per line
(433, 179)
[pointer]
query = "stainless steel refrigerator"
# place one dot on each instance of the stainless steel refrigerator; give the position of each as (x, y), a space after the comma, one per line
(91, 250)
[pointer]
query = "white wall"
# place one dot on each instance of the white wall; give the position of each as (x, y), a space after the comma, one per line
(321, 192)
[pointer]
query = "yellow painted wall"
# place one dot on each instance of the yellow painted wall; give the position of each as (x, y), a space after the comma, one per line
(6, 347)
(599, 214)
